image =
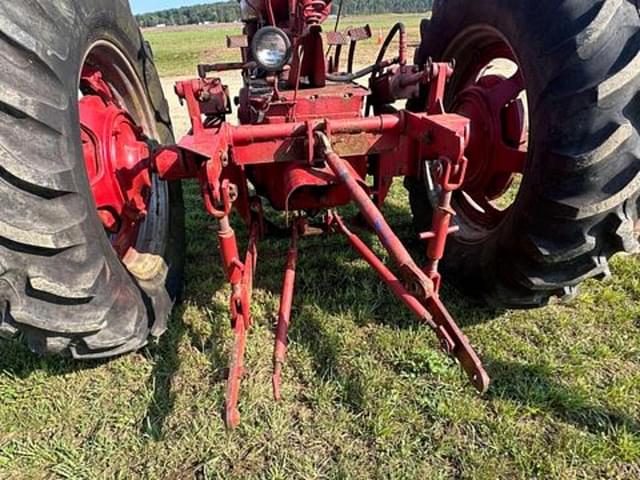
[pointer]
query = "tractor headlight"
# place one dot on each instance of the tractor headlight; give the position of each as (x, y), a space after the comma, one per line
(271, 49)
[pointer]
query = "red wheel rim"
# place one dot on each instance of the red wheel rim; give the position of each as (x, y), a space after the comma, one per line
(116, 158)
(489, 88)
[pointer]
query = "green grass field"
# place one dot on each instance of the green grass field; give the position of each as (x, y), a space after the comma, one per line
(366, 393)
(177, 51)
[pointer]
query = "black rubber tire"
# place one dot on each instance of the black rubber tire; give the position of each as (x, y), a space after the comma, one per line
(578, 203)
(61, 283)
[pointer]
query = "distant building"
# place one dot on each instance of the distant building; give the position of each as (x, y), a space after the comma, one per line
(161, 25)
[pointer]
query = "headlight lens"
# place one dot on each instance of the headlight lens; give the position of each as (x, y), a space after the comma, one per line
(271, 49)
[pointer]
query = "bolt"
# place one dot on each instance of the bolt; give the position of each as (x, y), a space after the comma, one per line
(224, 158)
(438, 169)
(233, 192)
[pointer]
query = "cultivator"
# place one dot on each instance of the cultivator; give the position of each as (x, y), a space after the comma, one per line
(308, 138)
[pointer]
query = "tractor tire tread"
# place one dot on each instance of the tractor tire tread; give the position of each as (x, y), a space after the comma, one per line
(581, 207)
(58, 287)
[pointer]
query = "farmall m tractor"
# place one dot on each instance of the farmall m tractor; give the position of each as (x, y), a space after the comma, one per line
(541, 94)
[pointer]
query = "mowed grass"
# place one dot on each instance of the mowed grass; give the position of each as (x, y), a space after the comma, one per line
(366, 392)
(177, 51)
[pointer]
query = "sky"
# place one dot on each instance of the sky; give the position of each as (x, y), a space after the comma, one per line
(144, 6)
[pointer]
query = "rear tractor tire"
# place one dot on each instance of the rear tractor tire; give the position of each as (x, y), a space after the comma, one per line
(65, 284)
(552, 91)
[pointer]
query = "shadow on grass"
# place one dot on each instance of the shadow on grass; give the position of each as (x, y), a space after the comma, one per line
(325, 347)
(202, 280)
(18, 361)
(326, 271)
(166, 359)
(332, 261)
(167, 363)
(534, 387)
(327, 268)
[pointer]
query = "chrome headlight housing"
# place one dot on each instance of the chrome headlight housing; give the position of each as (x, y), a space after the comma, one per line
(271, 49)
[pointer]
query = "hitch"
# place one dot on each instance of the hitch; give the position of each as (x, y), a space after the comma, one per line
(418, 289)
(317, 163)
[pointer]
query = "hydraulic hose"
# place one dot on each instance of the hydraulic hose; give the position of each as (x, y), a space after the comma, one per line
(398, 27)
(349, 77)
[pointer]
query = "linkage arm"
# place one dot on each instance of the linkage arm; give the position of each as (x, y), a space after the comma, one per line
(427, 307)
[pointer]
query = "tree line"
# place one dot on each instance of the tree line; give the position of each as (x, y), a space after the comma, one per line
(225, 12)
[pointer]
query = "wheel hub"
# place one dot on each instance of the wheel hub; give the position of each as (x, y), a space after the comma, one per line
(116, 159)
(492, 128)
(497, 150)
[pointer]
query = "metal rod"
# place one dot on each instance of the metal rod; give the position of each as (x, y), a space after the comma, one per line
(376, 220)
(205, 68)
(241, 320)
(453, 341)
(248, 134)
(236, 370)
(463, 351)
(385, 274)
(284, 315)
(440, 228)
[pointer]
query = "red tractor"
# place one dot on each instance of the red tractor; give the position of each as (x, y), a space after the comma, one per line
(535, 96)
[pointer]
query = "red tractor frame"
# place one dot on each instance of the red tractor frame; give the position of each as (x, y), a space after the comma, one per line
(309, 136)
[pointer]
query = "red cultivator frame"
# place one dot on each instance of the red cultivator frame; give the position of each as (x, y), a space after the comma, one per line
(307, 142)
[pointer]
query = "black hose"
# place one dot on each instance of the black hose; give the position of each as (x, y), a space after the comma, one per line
(398, 27)
(349, 77)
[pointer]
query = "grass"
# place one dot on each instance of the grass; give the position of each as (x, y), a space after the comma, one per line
(366, 393)
(177, 51)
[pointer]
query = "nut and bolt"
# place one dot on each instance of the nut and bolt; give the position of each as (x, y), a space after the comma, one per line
(438, 169)
(233, 192)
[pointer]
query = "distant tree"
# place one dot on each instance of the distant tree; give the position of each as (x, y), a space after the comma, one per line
(230, 11)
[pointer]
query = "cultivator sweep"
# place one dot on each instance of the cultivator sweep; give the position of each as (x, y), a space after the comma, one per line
(306, 142)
